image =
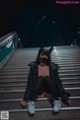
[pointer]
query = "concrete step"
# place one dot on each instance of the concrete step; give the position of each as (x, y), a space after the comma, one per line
(22, 90)
(16, 94)
(39, 104)
(46, 115)
(13, 81)
(24, 84)
(19, 93)
(25, 66)
(26, 73)
(19, 64)
(11, 95)
(27, 70)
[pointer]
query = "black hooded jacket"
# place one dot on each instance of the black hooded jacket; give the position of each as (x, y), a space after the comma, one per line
(32, 78)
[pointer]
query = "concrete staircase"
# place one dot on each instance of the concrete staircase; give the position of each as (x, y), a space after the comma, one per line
(13, 82)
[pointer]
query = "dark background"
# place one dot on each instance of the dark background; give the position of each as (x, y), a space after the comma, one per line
(40, 21)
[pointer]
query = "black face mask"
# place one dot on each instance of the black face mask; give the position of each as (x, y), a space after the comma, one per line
(44, 60)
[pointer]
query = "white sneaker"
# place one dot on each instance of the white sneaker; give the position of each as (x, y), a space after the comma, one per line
(31, 107)
(57, 105)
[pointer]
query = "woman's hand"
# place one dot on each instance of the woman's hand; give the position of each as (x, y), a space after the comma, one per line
(68, 101)
(23, 104)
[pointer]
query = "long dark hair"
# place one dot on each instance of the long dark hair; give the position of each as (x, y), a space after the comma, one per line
(46, 52)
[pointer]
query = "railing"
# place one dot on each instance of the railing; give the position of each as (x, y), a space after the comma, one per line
(7, 45)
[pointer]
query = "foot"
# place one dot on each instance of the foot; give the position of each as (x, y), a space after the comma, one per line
(57, 106)
(31, 107)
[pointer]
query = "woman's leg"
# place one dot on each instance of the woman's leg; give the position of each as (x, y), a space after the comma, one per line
(37, 88)
(52, 87)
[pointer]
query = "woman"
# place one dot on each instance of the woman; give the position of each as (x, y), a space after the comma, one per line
(43, 77)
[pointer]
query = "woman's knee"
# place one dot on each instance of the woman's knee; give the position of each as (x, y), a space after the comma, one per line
(48, 79)
(40, 80)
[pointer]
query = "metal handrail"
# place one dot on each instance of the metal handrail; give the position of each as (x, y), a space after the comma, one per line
(5, 36)
(6, 39)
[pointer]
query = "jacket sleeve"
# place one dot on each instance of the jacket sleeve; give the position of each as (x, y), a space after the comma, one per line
(63, 94)
(29, 85)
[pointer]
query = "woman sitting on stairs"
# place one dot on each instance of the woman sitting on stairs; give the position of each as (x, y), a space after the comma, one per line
(43, 78)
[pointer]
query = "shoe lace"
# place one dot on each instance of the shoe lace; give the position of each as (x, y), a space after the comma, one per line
(57, 103)
(31, 103)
